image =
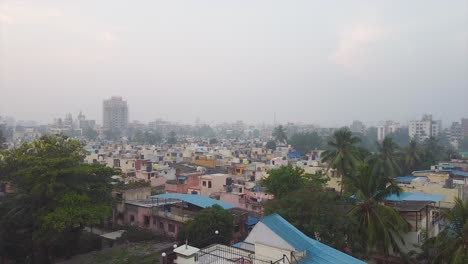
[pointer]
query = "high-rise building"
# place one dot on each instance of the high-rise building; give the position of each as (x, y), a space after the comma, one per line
(115, 114)
(386, 129)
(357, 127)
(464, 127)
(424, 129)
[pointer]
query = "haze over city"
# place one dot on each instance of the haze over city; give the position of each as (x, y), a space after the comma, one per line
(324, 62)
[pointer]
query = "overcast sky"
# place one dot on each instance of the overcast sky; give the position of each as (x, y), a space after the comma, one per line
(325, 62)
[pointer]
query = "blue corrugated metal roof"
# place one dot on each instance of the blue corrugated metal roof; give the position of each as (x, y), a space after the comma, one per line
(317, 253)
(409, 196)
(198, 200)
(454, 172)
(459, 173)
(405, 179)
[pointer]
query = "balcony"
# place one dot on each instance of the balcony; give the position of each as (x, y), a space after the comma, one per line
(176, 215)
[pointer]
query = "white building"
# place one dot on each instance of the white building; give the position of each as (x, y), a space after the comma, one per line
(424, 129)
(115, 114)
(357, 127)
(386, 129)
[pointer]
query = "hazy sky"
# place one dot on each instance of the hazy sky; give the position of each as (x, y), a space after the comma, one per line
(326, 62)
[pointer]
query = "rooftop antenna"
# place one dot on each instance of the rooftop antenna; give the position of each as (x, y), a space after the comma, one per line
(274, 118)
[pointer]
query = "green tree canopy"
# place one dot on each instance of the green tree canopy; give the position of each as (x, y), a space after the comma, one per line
(56, 195)
(316, 212)
(306, 142)
(279, 134)
(378, 226)
(285, 180)
(90, 133)
(387, 159)
(344, 154)
(200, 231)
(271, 144)
(450, 246)
(172, 139)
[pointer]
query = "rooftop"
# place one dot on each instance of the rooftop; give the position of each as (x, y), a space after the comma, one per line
(317, 252)
(198, 200)
(410, 196)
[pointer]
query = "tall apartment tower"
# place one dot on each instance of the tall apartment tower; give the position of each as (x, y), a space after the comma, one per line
(115, 114)
(424, 129)
(464, 127)
(385, 129)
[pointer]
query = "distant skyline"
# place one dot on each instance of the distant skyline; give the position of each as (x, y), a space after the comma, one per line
(320, 62)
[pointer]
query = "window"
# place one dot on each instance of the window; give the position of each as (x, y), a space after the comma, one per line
(171, 228)
(146, 221)
(161, 225)
(209, 184)
(204, 183)
(132, 218)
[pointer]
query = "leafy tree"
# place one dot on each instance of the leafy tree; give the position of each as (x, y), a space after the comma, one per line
(378, 226)
(56, 196)
(90, 133)
(279, 134)
(271, 144)
(2, 139)
(367, 140)
(343, 155)
(200, 231)
(204, 131)
(285, 180)
(171, 139)
(213, 141)
(314, 211)
(412, 156)
(450, 246)
(113, 134)
(400, 136)
(305, 142)
(464, 144)
(386, 161)
(432, 152)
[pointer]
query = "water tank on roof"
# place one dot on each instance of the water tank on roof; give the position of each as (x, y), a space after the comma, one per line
(228, 181)
(449, 184)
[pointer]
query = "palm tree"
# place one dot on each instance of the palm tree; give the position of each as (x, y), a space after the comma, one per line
(451, 245)
(344, 154)
(386, 161)
(279, 134)
(412, 155)
(381, 226)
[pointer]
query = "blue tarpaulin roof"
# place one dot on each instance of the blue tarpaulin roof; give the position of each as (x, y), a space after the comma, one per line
(198, 200)
(252, 220)
(182, 178)
(294, 155)
(317, 252)
(409, 196)
(454, 172)
(405, 179)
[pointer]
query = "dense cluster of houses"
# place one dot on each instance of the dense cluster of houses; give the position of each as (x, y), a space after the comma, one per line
(183, 179)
